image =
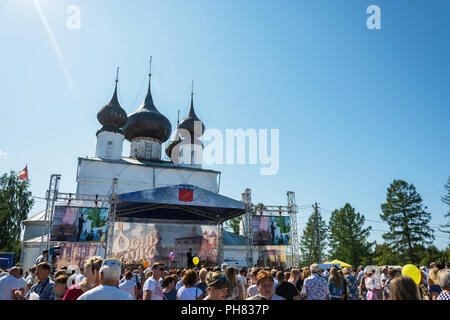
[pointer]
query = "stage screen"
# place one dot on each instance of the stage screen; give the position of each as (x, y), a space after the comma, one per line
(74, 224)
(150, 242)
(271, 230)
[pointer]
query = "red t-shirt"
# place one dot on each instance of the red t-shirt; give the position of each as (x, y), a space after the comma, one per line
(73, 292)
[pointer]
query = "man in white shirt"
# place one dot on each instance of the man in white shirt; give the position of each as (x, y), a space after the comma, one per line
(109, 279)
(152, 287)
(31, 279)
(9, 283)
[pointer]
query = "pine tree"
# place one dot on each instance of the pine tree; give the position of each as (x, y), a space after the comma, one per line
(407, 219)
(446, 200)
(348, 237)
(307, 237)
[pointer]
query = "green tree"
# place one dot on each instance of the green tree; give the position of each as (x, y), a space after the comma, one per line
(348, 237)
(15, 204)
(307, 237)
(407, 219)
(446, 199)
(384, 254)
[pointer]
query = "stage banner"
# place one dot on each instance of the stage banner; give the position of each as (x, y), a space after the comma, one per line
(76, 253)
(271, 230)
(151, 242)
(75, 224)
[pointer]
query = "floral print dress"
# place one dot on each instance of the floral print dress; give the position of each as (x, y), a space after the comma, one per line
(352, 287)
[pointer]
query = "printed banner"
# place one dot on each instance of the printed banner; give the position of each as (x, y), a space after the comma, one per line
(75, 224)
(151, 242)
(75, 253)
(271, 230)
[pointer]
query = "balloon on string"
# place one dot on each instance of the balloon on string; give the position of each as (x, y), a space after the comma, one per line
(411, 271)
(196, 260)
(145, 264)
(171, 256)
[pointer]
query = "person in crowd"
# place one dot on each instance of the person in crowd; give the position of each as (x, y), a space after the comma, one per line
(141, 275)
(91, 279)
(109, 281)
(217, 286)
(42, 258)
(188, 291)
(168, 285)
(264, 283)
(403, 288)
(252, 290)
(43, 288)
(223, 267)
(9, 284)
(275, 281)
(201, 284)
(433, 285)
(352, 286)
(286, 289)
(129, 285)
(234, 290)
(315, 287)
(190, 258)
(21, 282)
(443, 277)
(384, 278)
(341, 275)
(152, 286)
(306, 272)
(180, 281)
(31, 278)
(242, 281)
(335, 284)
(424, 292)
(373, 293)
(294, 278)
(60, 287)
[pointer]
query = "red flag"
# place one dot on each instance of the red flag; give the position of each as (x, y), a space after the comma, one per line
(24, 174)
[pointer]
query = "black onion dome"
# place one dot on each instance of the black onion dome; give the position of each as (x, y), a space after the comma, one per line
(188, 122)
(193, 141)
(147, 122)
(172, 145)
(112, 116)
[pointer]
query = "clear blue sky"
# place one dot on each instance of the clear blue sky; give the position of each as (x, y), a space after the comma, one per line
(356, 108)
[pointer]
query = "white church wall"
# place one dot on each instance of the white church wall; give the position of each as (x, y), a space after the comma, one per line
(95, 177)
(109, 145)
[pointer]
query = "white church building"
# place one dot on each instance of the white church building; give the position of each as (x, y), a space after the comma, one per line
(146, 129)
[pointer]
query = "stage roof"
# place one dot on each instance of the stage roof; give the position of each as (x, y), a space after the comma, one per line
(178, 202)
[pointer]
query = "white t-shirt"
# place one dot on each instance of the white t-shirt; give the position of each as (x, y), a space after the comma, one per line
(103, 292)
(242, 281)
(179, 285)
(7, 284)
(21, 283)
(189, 293)
(252, 291)
(128, 286)
(155, 287)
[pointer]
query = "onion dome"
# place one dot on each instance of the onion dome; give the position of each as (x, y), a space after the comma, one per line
(147, 121)
(188, 122)
(112, 116)
(174, 142)
(192, 141)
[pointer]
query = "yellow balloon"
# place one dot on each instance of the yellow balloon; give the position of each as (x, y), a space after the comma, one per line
(196, 260)
(411, 271)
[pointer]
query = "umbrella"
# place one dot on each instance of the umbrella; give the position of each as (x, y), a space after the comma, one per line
(343, 264)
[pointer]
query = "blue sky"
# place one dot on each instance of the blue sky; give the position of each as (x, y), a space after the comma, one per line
(356, 108)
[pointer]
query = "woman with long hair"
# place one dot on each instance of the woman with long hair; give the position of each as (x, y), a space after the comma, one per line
(234, 291)
(335, 284)
(433, 285)
(403, 288)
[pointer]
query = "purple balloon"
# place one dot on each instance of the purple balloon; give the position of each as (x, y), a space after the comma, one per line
(171, 256)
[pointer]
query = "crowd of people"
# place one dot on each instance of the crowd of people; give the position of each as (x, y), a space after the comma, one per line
(107, 279)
